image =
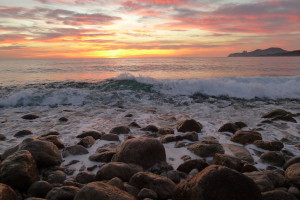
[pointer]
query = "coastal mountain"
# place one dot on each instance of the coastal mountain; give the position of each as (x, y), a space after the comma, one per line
(273, 51)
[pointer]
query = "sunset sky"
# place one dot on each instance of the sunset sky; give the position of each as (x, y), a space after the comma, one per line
(145, 28)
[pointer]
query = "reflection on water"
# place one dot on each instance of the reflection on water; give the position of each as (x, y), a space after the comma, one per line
(37, 71)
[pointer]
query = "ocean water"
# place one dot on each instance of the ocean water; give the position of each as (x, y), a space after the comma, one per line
(97, 94)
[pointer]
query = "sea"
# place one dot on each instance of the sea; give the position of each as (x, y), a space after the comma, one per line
(99, 94)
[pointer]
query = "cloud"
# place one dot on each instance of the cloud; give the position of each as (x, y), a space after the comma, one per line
(264, 17)
(57, 16)
(12, 47)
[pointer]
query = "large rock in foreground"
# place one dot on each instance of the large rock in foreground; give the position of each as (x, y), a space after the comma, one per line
(100, 190)
(6, 193)
(163, 186)
(45, 153)
(189, 125)
(217, 183)
(141, 151)
(292, 174)
(19, 170)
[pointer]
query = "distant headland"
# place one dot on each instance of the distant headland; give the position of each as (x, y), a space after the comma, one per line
(273, 51)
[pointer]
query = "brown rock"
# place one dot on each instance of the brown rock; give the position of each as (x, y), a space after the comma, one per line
(229, 127)
(206, 148)
(23, 133)
(62, 193)
(105, 156)
(45, 153)
(19, 170)
(275, 113)
(6, 193)
(30, 116)
(292, 174)
(150, 128)
(239, 152)
(87, 141)
(227, 161)
(96, 135)
(55, 140)
(141, 151)
(217, 183)
(120, 130)
(277, 195)
(291, 161)
(163, 186)
(273, 158)
(189, 125)
(245, 137)
(39, 189)
(123, 171)
(75, 150)
(110, 137)
(271, 146)
(85, 177)
(99, 190)
(165, 131)
(168, 138)
(189, 165)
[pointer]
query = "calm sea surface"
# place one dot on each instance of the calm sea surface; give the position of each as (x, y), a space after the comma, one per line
(15, 72)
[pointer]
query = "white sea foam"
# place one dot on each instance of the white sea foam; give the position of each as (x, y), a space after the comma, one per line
(239, 87)
(127, 88)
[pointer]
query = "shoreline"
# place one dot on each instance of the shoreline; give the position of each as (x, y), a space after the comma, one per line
(71, 121)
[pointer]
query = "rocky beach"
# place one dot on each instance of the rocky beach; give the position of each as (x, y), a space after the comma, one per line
(215, 148)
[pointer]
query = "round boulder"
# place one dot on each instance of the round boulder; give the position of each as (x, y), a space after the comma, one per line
(217, 183)
(100, 190)
(62, 193)
(6, 193)
(189, 165)
(121, 170)
(245, 137)
(45, 153)
(163, 186)
(39, 189)
(19, 170)
(273, 158)
(141, 151)
(292, 174)
(189, 125)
